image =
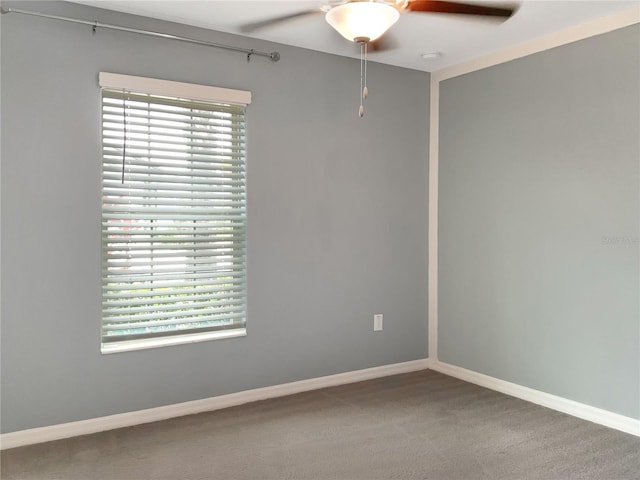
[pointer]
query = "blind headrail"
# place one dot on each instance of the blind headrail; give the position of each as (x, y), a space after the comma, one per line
(273, 56)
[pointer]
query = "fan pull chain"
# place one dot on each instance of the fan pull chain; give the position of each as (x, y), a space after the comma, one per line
(365, 90)
(361, 109)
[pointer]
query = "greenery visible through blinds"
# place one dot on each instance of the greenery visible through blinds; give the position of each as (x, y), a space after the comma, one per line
(173, 217)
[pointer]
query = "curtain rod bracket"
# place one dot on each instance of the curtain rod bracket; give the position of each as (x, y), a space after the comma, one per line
(273, 56)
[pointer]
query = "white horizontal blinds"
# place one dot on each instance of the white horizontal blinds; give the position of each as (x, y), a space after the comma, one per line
(173, 216)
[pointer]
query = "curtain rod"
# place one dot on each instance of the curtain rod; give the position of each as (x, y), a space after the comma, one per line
(273, 56)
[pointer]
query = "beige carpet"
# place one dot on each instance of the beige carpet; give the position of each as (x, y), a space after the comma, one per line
(421, 425)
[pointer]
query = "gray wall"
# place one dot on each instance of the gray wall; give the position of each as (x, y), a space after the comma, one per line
(539, 209)
(337, 227)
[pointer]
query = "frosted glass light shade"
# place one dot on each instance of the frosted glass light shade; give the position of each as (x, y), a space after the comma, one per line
(368, 20)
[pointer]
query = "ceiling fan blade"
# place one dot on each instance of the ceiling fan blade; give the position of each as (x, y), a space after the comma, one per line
(250, 27)
(459, 8)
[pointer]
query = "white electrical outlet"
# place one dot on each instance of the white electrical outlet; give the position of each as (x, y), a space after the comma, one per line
(377, 322)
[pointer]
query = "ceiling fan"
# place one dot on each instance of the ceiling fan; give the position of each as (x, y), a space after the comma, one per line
(366, 21)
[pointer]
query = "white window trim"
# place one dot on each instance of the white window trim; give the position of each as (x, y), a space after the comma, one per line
(154, 86)
(167, 88)
(147, 343)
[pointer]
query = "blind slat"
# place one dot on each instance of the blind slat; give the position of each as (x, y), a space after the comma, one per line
(203, 162)
(114, 290)
(179, 321)
(137, 244)
(141, 179)
(170, 311)
(164, 129)
(168, 297)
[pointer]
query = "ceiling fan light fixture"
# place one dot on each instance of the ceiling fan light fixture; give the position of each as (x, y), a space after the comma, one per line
(362, 21)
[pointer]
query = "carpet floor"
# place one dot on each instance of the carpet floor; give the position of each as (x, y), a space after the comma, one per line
(421, 425)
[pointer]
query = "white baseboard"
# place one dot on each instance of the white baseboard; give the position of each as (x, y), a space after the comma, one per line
(129, 419)
(576, 409)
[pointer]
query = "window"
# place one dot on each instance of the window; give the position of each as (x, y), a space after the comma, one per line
(173, 212)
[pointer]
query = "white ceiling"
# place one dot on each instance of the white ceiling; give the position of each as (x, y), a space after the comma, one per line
(459, 38)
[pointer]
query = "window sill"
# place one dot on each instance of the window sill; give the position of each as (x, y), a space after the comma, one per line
(170, 341)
